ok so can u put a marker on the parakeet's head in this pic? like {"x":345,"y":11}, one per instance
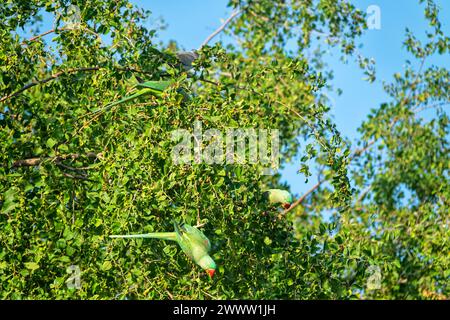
{"x":287,"y":200}
{"x":211,"y":272}
{"x":208,"y":264}
{"x":279,"y":196}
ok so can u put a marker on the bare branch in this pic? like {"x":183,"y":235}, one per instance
{"x":38,"y":36}
{"x":78,"y":177}
{"x":209,"y":81}
{"x":432,"y":106}
{"x":302,"y":198}
{"x":62,"y":29}
{"x":62,"y":165}
{"x":27,"y":162}
{"x":31,"y":162}
{"x":220,"y":29}
{"x":363,"y":194}
{"x":360,"y":151}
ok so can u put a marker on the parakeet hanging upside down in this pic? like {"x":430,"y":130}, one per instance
{"x":149,"y":87}
{"x":191,"y":240}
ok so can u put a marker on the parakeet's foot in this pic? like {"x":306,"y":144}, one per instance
{"x":199,"y":225}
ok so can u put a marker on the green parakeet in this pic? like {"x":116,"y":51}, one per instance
{"x":148,"y":87}
{"x":191,"y":240}
{"x":279,"y":196}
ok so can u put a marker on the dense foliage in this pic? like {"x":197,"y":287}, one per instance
{"x":74,"y":172}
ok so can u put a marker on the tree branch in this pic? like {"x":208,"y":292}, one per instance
{"x":77,"y":177}
{"x":60,"y":73}
{"x":31,"y":162}
{"x":220,"y":29}
{"x":52,"y":77}
{"x":62,"y":165}
{"x":432,"y":106}
{"x":302,"y":198}
{"x":38,"y":36}
{"x":62,"y":29}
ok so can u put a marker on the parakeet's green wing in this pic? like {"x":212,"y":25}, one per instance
{"x":184,"y":242}
{"x":197,"y":236}
{"x":192,"y":241}
{"x":155,"y":85}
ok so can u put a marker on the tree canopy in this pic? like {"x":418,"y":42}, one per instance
{"x":74,"y":171}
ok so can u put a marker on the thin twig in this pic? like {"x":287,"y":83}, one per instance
{"x":209,"y":81}
{"x":65,"y":166}
{"x":134,"y":70}
{"x":60,"y":73}
{"x":432,"y":106}
{"x":200,"y":225}
{"x":363,"y":194}
{"x":209,"y":295}
{"x":77,"y":177}
{"x":265,"y":19}
{"x":62,"y":29}
{"x":358,"y":152}
{"x":31,"y":162}
{"x":52,"y":77}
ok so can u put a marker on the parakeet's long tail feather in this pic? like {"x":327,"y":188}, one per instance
{"x":178,"y":228}
{"x":133,"y":96}
{"x":155,"y":85}
{"x":155,"y":235}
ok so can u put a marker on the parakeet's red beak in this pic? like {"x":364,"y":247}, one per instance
{"x":286,"y":205}
{"x":211,"y":272}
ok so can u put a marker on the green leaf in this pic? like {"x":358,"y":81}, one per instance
{"x":51,"y":142}
{"x":31,"y":265}
{"x":106,"y":265}
{"x":267,"y":241}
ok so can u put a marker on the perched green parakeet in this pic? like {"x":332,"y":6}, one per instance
{"x":191,"y":240}
{"x":279,"y":196}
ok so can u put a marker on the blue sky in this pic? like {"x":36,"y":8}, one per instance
{"x":190,"y":22}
